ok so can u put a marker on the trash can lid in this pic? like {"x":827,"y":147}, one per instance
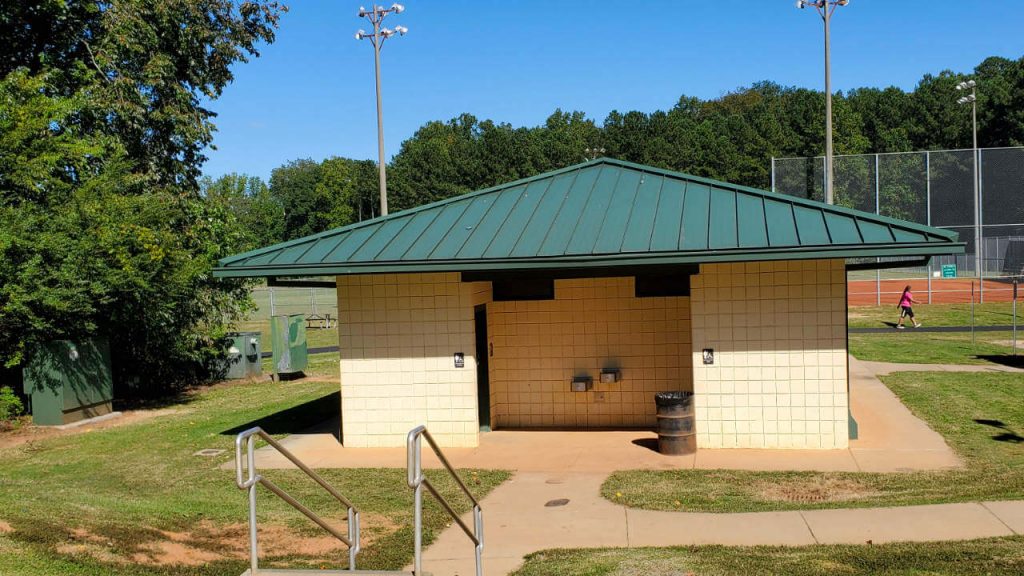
{"x":673,"y":398}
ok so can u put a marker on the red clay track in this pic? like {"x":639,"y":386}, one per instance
{"x":944,"y":291}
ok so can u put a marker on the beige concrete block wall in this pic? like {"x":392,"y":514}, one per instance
{"x":591,"y":324}
{"x":398,"y":334}
{"x":778,"y":330}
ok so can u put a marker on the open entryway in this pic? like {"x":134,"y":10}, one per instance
{"x":483,"y":385}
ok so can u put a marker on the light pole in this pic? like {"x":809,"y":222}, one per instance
{"x":825,"y":9}
{"x":972,"y":99}
{"x":376,"y":16}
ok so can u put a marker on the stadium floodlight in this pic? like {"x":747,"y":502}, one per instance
{"x":826,"y":8}
{"x":376,"y":16}
{"x":972,"y":99}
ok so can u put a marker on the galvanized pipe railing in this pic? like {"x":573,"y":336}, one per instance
{"x":249,"y":478}
{"x":417,"y":481}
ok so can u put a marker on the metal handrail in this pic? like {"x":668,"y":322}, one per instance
{"x":249,"y":482}
{"x":417,"y":480}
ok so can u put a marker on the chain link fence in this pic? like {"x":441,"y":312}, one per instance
{"x":934,"y":188}
{"x":318,"y":305}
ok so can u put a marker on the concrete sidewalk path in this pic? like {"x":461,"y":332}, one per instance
{"x":517,"y":522}
{"x":884,"y":368}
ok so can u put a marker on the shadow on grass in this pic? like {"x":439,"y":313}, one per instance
{"x":1004,"y":359}
{"x":296,"y":418}
{"x":1007,"y":436}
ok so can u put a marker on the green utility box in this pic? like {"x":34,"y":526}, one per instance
{"x":243,"y":356}
{"x":288,"y":342}
{"x":69,"y":381}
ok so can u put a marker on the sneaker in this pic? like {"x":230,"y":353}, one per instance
{"x":900,"y":327}
{"x":917,"y":324}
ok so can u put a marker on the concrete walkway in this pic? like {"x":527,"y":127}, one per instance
{"x":517,"y":522}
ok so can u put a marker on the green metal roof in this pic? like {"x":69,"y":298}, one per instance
{"x":603,"y":213}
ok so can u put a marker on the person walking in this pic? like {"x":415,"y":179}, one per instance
{"x":906,"y":308}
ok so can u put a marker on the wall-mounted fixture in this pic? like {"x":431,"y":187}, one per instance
{"x":610,"y":376}
{"x":581,"y":383}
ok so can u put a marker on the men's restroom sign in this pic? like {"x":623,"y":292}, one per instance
{"x":460,"y":360}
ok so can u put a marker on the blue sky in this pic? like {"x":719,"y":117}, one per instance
{"x":311,"y":93}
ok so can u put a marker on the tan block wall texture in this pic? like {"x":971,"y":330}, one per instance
{"x":779,"y":379}
{"x":398,"y":334}
{"x":538,"y":346}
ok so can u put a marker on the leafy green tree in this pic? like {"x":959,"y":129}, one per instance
{"x":103,"y":230}
{"x":260,"y":216}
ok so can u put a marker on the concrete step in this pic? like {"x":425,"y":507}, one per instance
{"x":279,"y":572}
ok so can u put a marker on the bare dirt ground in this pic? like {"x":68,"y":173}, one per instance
{"x":208,"y":542}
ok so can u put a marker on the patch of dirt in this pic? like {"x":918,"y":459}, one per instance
{"x":208,"y":542}
{"x":822,"y":489}
{"x":31,"y":433}
{"x":5,"y":528}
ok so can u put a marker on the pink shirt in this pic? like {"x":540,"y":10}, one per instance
{"x":906,"y":298}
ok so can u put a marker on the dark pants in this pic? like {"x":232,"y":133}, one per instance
{"x":907,"y":311}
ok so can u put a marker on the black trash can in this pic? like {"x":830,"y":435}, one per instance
{"x":676,"y":433}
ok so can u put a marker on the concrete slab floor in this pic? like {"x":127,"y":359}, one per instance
{"x":891,"y":440}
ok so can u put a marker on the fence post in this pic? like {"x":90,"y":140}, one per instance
{"x":928,"y":210}
{"x":773,"y":173}
{"x":272,"y":311}
{"x":981,"y":231}
{"x":878,"y":273}
{"x":972,"y":314}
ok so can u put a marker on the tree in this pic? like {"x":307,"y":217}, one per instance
{"x":260,"y":216}
{"x":103,"y":230}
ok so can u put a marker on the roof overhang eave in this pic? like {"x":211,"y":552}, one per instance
{"x":593,"y":261}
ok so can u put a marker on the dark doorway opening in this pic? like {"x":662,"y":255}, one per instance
{"x":483,"y":384}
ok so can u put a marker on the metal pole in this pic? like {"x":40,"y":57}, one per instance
{"x":972,"y":313}
{"x":981,"y":229}
{"x":377,"y":41}
{"x":418,"y":514}
{"x":253,"y":554}
{"x":773,"y":173}
{"x":977,"y":207}
{"x":272,"y":311}
{"x":826,"y":14}
{"x":878,"y":273}
{"x":928,"y":210}
{"x":1015,"y":282}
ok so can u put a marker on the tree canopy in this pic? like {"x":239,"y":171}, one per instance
{"x":103,"y":228}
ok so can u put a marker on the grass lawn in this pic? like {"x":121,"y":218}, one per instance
{"x":994,"y":557}
{"x":908,"y":346}
{"x":981,"y":415}
{"x":133,"y":500}
{"x":988,"y":314}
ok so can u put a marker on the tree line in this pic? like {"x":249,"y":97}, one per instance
{"x":730,"y":138}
